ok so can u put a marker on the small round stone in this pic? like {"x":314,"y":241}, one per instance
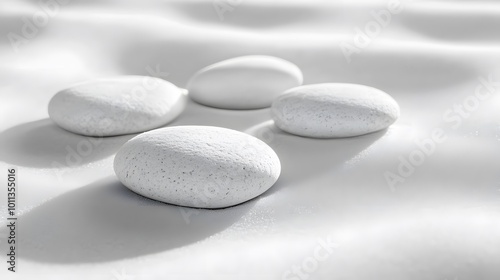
{"x":247,"y":82}
{"x":117,"y":105}
{"x":334,"y":110}
{"x":197,"y":166}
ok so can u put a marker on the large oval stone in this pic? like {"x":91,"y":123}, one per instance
{"x":334,"y":110}
{"x":247,"y":82}
{"x":117,"y":105}
{"x":197,"y":166}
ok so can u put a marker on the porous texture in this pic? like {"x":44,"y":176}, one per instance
{"x":334,"y":110}
{"x":118,"y":105}
{"x":247,"y":82}
{"x":197,"y":166}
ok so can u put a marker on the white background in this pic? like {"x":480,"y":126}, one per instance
{"x":442,"y":223}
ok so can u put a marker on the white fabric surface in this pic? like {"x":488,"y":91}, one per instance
{"x":442,"y":223}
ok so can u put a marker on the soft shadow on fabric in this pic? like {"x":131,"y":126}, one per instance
{"x":105,"y":221}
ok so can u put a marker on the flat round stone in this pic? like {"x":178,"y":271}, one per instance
{"x":247,"y":82}
{"x":117,"y":105}
{"x":197,"y":166}
{"x":334,"y":110}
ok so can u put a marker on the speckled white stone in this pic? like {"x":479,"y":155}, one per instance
{"x":197,"y":166}
{"x":334,"y":110}
{"x":247,"y":82}
{"x":117,"y":105}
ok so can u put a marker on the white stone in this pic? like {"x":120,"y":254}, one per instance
{"x":247,"y":82}
{"x":334,"y":110}
{"x":117,"y":105}
{"x":197,"y":166}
